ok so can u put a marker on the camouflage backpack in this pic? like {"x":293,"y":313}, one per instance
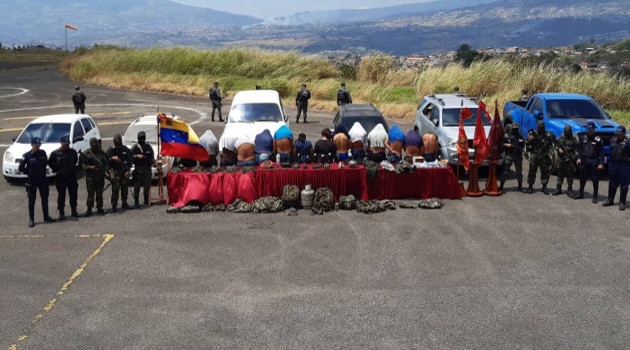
{"x":348,"y":202}
{"x":291,"y":196}
{"x":268,"y":205}
{"x":239,"y":206}
{"x":324,"y":199}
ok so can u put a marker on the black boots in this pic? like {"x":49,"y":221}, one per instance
{"x":31,"y":223}
{"x":530,"y":189}
{"x":75,"y":213}
{"x":544,"y":189}
{"x":501,"y":186}
{"x":570,"y":191}
{"x":88,"y":213}
{"x":62,"y":215}
{"x":622,"y":199}
{"x":520,"y":187}
{"x":611,"y":197}
{"x":558,"y":190}
{"x":125,"y":206}
{"x":47,"y":218}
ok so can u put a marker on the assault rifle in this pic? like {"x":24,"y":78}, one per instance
{"x":568,"y":156}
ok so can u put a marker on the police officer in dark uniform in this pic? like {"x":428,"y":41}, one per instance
{"x":33,"y":164}
{"x":63,"y":161}
{"x":591,"y":159}
{"x":120,"y":164}
{"x":79,"y":100}
{"x":514,"y":145}
{"x":343,"y":96}
{"x":301,"y":101}
{"x":143,"y":159}
{"x":540,"y":144}
{"x":619,"y":168}
{"x":216,"y":100}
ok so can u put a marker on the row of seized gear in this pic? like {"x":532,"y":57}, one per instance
{"x":272,"y":204}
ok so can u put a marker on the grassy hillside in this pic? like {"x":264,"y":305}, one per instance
{"x":396,"y":92}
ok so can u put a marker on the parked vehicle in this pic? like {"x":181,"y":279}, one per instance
{"x":366,"y":114}
{"x":50,"y":129}
{"x":252,"y":112}
{"x":148,"y":124}
{"x":439,"y":114}
{"x":560,"y":109}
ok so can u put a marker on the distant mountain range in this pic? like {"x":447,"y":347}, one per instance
{"x":428,"y":27}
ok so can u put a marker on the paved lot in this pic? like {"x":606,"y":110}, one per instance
{"x":518,"y":271}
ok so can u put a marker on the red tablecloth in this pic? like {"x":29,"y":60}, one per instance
{"x":185,"y":186}
{"x":345,"y":181}
{"x":423,"y":183}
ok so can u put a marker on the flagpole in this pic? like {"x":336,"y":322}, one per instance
{"x":66,"y":30}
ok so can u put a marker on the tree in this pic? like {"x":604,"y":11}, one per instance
{"x":466,"y":55}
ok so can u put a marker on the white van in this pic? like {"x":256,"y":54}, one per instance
{"x":50,"y":129}
{"x":252,"y":112}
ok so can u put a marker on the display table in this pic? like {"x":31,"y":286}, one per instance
{"x":186,"y":186}
{"x":424,"y":183}
{"x":344,"y":181}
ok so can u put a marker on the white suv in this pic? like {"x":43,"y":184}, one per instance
{"x":50,"y":129}
{"x":252,"y":112}
{"x":439,"y":114}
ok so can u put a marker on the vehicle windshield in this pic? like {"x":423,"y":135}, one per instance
{"x":573,"y":109}
{"x":450,"y":117}
{"x":131,"y":135}
{"x":255,"y":112}
{"x":48,"y":132}
{"x":368,"y":123}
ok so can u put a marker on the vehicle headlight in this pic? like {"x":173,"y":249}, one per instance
{"x":8,"y":157}
{"x":452,"y":143}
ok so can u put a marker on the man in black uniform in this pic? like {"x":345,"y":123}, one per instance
{"x":143,"y":159}
{"x":514,"y":145}
{"x":79,"y":100}
{"x":343,"y":96}
{"x":120,"y":166}
{"x":619,"y":168}
{"x":215,"y":99}
{"x":301,"y":101}
{"x":591,"y":159}
{"x":63,"y":161}
{"x":33,"y":164}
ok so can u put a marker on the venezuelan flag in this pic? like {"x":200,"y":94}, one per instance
{"x":179,"y":140}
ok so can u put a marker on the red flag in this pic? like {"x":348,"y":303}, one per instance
{"x":482,"y":106}
{"x":479,"y":142}
{"x":70,"y":26}
{"x":462,"y":141}
{"x":495,"y":141}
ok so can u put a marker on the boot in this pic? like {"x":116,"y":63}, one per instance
{"x":530,"y":189}
{"x":579,"y":195}
{"x":297,"y":121}
{"x":125,"y":206}
{"x":622,"y":199}
{"x":570,"y":191}
{"x":520,"y":187}
{"x":88,"y":213}
{"x":611,"y":197}
{"x":31,"y":223}
{"x":501,"y":186}
{"x":113,"y":210}
{"x":47,"y":218}
{"x":136,"y":205}
{"x":100,"y":211}
{"x":595,"y":192}
{"x":544,"y":189}
{"x":75,"y":213}
{"x":558,"y":190}
{"x":62,"y":215}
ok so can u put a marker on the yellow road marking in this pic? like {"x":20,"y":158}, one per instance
{"x":113,"y":123}
{"x":113,"y":113}
{"x":20,"y":118}
{"x":11,"y":129}
{"x":51,"y":304}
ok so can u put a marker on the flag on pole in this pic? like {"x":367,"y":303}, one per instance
{"x":70,"y":26}
{"x":480,"y":142}
{"x":179,"y":140}
{"x":482,"y":106}
{"x":495,"y":141}
{"x":462,"y":140}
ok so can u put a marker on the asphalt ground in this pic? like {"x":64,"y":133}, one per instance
{"x":511,"y":272}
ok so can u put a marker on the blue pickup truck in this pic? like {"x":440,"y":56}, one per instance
{"x":558,"y":110}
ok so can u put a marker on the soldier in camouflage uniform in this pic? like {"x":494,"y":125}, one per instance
{"x":94,"y":162}
{"x":120,"y":167}
{"x":567,"y":148}
{"x":514,"y":144}
{"x":539,"y":144}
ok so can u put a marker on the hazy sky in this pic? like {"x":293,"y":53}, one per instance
{"x":276,"y":8}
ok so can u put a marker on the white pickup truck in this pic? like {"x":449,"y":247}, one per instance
{"x":252,"y":112}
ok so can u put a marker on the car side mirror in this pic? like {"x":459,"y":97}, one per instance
{"x":77,"y":139}
{"x":608,"y":115}
{"x":13,"y":139}
{"x":537,"y":115}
